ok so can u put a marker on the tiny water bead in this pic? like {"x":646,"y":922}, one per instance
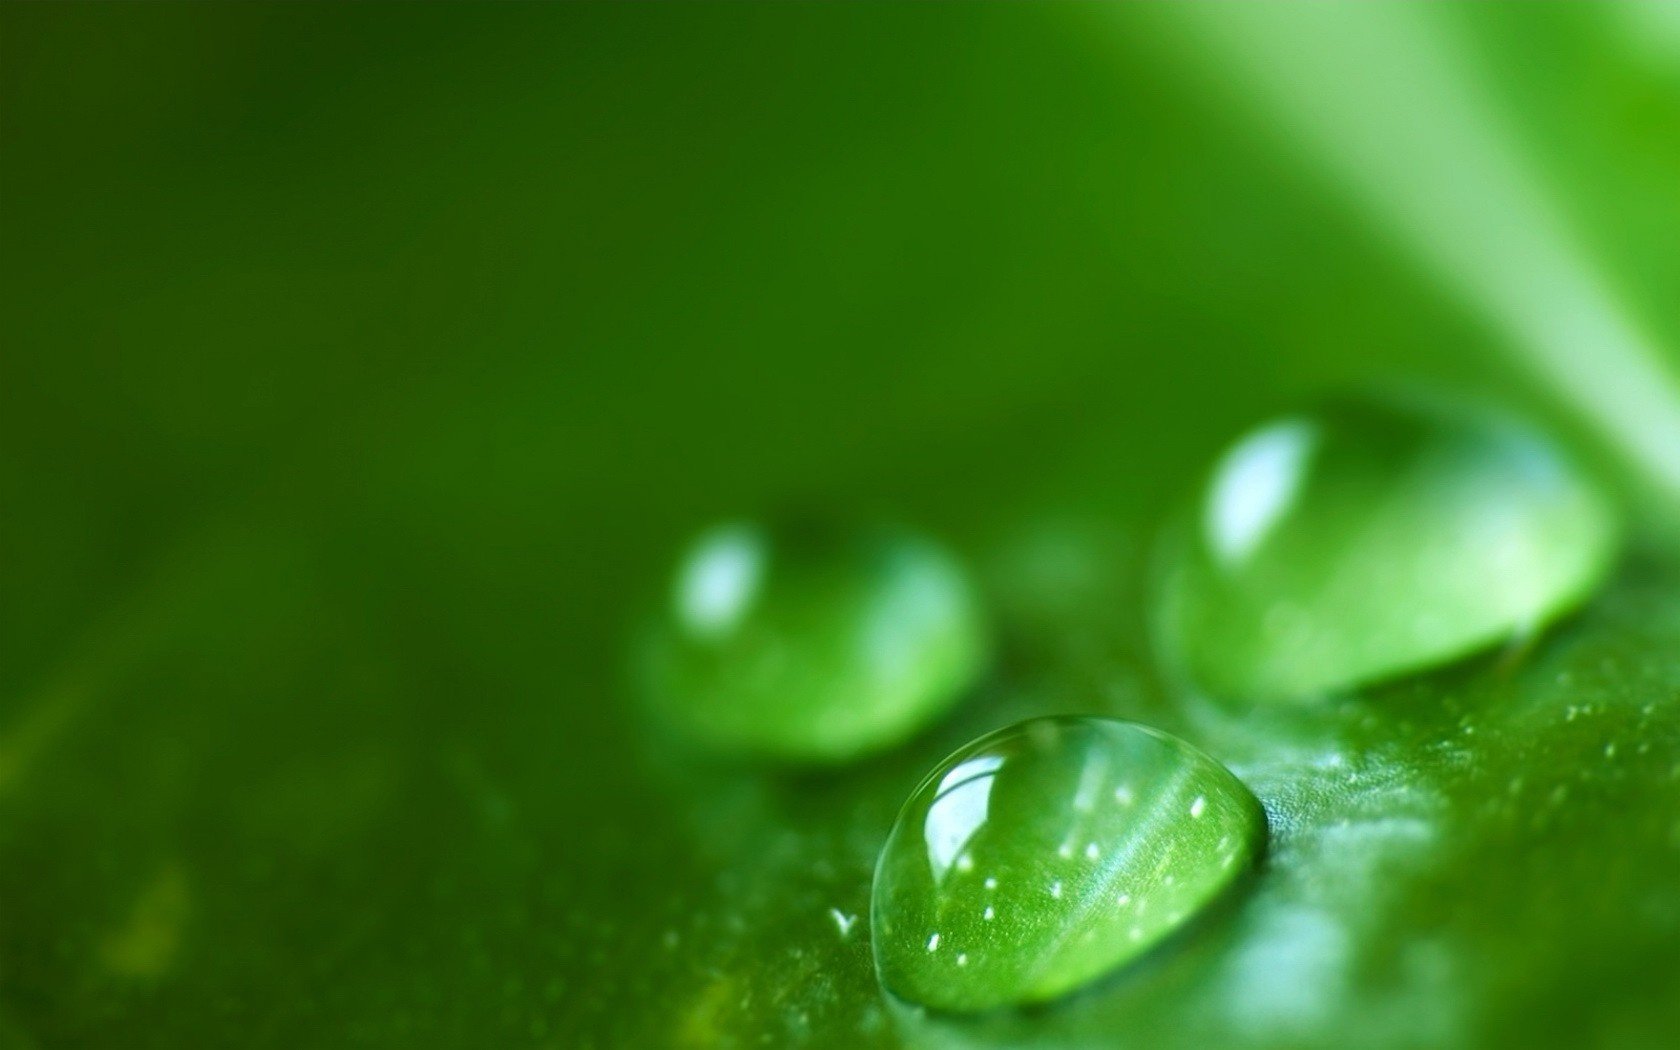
{"x":814,"y":643}
{"x":1046,"y":854}
{"x":1374,"y":538}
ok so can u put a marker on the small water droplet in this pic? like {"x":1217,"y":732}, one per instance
{"x":812,"y":643}
{"x":1371,"y":539}
{"x":1051,"y":923}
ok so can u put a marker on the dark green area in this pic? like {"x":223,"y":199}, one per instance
{"x":363,"y":372}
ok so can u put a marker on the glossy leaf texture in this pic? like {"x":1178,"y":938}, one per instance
{"x":362,"y":374}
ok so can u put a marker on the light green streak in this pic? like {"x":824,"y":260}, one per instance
{"x":1388,"y":103}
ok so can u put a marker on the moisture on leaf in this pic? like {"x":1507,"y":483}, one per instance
{"x":1370,"y":538}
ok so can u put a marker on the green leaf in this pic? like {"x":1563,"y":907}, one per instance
{"x":364,"y":376}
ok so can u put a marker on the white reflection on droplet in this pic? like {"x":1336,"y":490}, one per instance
{"x":1254,"y":485}
{"x":958,"y":811}
{"x":720,"y":579}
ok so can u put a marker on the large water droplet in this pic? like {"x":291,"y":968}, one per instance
{"x":1046,"y":854}
{"x":813,"y":643}
{"x":1370,"y":539}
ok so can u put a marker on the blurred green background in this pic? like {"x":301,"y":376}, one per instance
{"x":364,"y":369}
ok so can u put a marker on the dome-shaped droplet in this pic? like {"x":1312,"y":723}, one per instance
{"x":1044,"y":855}
{"x":813,"y":643}
{"x":1370,"y":539}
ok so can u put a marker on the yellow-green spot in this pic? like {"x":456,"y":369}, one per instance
{"x":144,"y":946}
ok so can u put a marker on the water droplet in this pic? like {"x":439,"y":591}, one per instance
{"x":1371,"y":539}
{"x":1046,"y":923}
{"x":812,"y":643}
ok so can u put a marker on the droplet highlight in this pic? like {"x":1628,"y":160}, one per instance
{"x":1028,"y":920}
{"x":812,"y":643}
{"x":1370,"y":539}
